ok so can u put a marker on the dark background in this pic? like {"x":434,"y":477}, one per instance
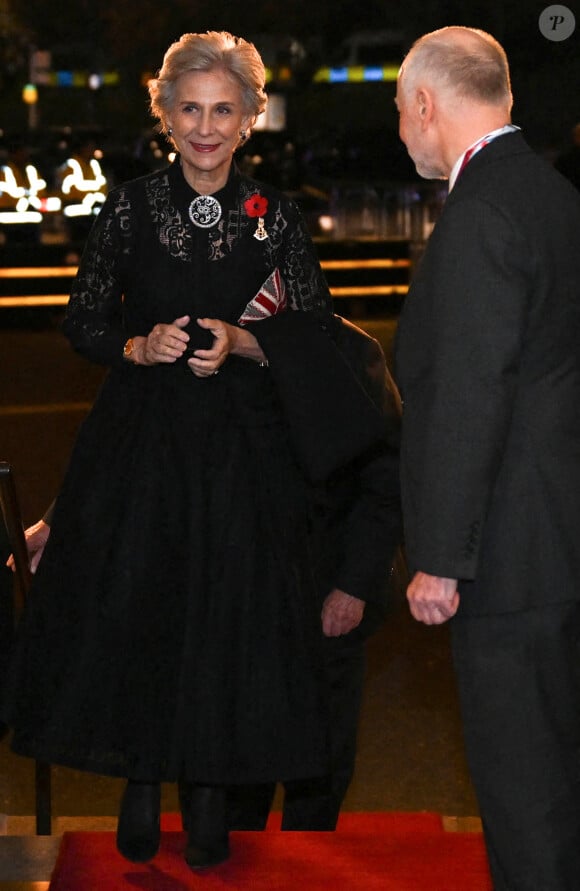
{"x":130,"y":38}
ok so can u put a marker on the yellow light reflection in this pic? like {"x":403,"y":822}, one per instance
{"x":38,"y":271}
{"x":365,"y":264}
{"x":35,"y":300}
{"x":369,"y":291}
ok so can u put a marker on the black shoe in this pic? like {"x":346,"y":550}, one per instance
{"x":197,"y":857}
{"x":204,"y":816}
{"x":138,"y":829}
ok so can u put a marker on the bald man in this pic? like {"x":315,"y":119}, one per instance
{"x":488,"y":364}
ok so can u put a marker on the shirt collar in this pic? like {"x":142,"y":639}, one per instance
{"x":475,"y":147}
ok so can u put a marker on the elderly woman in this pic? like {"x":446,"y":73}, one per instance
{"x":171,"y":633}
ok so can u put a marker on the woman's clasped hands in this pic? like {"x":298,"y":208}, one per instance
{"x":166,"y":344}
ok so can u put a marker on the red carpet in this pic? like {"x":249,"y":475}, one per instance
{"x":368,"y":852}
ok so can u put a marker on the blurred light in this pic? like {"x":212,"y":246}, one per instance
{"x":38,"y":271}
{"x":18,"y":217}
{"x":50,"y":205}
{"x":77,"y":210}
{"x":371,"y":74}
{"x":379,"y":263}
{"x":30,"y":94}
{"x":82,"y":79}
{"x":64,"y":78}
{"x":338,"y":75}
{"x":326,"y":223}
{"x":91,"y":204}
{"x":369,"y":291}
{"x":282,"y":73}
{"x":36,"y":300}
{"x":40,"y":65}
{"x":274,"y":117}
{"x":357,"y":74}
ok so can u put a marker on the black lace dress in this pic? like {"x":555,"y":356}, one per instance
{"x":172,"y":629}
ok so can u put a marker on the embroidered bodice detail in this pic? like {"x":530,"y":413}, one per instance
{"x":174,"y":231}
{"x":146,"y":262}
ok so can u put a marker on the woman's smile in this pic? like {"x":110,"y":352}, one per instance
{"x":203,"y":147}
{"x":206,"y":119}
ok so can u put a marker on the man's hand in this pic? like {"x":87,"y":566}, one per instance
{"x":341,"y":613}
{"x":432,"y":600}
{"x":36,"y":537}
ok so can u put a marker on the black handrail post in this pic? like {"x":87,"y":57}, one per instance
{"x":15,"y":529}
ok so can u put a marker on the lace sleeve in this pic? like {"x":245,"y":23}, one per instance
{"x":305,"y":284}
{"x":94,"y":319}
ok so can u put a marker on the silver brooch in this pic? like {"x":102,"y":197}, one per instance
{"x":205,"y":211}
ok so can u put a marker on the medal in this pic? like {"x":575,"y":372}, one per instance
{"x":260,"y":232}
{"x":256,"y":206}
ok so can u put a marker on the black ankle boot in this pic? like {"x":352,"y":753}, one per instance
{"x":207,"y":834}
{"x":198,"y":857}
{"x":138,"y":829}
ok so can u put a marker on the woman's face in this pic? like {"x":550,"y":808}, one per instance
{"x":206,"y":118}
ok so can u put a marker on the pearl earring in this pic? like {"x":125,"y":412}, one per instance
{"x":170,"y":131}
{"x":243,"y":135}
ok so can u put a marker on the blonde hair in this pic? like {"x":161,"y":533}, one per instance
{"x":468,"y":61}
{"x":205,"y":52}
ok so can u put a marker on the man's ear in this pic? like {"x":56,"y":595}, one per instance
{"x":425,"y":106}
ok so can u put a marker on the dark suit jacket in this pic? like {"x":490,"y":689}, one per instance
{"x":488,"y":364}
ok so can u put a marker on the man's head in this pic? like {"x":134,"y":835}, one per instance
{"x":453,"y":87}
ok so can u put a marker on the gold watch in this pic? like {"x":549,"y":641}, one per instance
{"x":128,"y":350}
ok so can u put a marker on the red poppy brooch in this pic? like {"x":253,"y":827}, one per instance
{"x":257,"y":206}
